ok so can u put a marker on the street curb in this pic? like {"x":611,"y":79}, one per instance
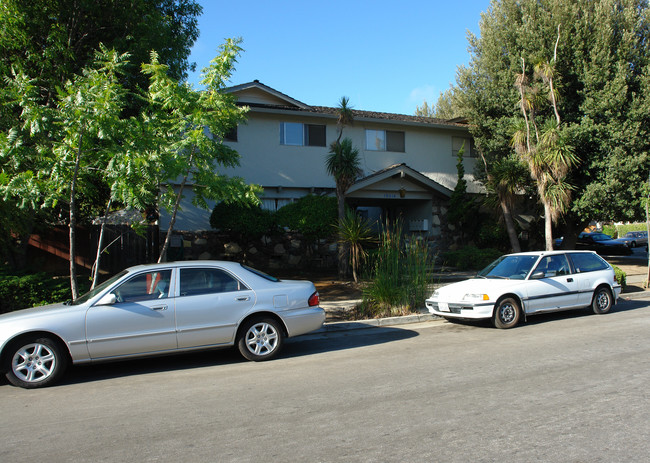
{"x":376,"y":323}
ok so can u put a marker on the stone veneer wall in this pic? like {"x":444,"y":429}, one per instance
{"x":287,"y":251}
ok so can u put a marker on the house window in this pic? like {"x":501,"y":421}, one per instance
{"x":458,"y":142}
{"x":385,"y":140}
{"x":231,"y":135}
{"x":273,"y":204}
{"x":297,"y":134}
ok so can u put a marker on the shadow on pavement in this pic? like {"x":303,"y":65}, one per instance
{"x":294,"y":347}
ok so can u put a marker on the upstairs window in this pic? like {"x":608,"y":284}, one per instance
{"x":458,"y":142}
{"x":297,"y":134}
{"x":385,"y":140}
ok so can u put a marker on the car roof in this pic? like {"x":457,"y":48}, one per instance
{"x":549,"y":253}
{"x":230,"y":265}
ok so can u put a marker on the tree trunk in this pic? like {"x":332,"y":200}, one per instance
{"x":510,"y":227}
{"x":179,"y":196}
{"x":73,"y":224}
{"x":342,"y":248}
{"x":548,"y":225}
{"x":99,"y":246}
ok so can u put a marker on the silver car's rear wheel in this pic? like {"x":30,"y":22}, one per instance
{"x":35,"y":363}
{"x":261,"y":339}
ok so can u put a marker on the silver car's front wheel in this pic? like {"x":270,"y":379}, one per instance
{"x":36,"y":363}
{"x":261,"y":339}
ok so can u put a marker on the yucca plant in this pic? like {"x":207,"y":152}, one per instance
{"x":355,"y":233}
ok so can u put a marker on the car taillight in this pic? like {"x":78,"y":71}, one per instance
{"x":314,"y":299}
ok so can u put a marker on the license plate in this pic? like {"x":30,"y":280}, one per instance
{"x":443,"y":307}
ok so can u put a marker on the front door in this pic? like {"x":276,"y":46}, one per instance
{"x":141,"y":321}
{"x":556,"y":290}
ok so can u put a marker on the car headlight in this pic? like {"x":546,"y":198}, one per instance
{"x":435,"y":294}
{"x":476,"y":297}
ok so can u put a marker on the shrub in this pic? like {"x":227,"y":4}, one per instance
{"x":621,"y":277}
{"x":311,"y":215}
{"x":249,"y":222}
{"x":399,"y":277}
{"x":470,"y":258}
{"x":23,"y":291}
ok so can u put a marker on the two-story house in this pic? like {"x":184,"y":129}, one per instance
{"x":408,"y":162}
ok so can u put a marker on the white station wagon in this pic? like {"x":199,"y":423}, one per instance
{"x":516,"y":285}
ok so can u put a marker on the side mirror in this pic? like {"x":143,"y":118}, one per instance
{"x":537,"y":276}
{"x":107,"y":299}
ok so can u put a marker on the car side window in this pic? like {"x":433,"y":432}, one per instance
{"x":145,"y":287}
{"x":195,"y":281}
{"x":553,"y":266}
{"x":587,"y":262}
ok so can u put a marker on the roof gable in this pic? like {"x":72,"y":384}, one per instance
{"x":256,"y":93}
{"x":396,"y":177}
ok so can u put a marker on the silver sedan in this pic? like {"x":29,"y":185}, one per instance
{"x":158,"y":309}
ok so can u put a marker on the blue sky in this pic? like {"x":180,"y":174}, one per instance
{"x":386,"y":56}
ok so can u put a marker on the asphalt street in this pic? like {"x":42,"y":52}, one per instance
{"x":566,"y":387}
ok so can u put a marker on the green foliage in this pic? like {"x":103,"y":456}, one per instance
{"x":446,"y":107}
{"x":618,"y":231}
{"x":249,"y":222}
{"x":470,"y":258}
{"x":492,"y":234}
{"x":24,"y":291}
{"x":601,"y":72}
{"x":355,"y":233}
{"x":311,"y":215}
{"x":621,"y":277}
{"x":399,"y":276}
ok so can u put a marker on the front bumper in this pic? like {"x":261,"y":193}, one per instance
{"x":463,"y":309}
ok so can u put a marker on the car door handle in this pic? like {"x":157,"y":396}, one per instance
{"x":243,"y":298}
{"x":570,"y":280}
{"x":159,"y":307}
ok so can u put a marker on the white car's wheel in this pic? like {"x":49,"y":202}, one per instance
{"x":35,"y":363}
{"x":506,"y":313}
{"x":602,"y":301}
{"x":260,"y":339}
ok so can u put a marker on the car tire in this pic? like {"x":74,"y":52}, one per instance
{"x":260,"y":339}
{"x":602,"y":301}
{"x":33,"y":363}
{"x":506,"y":313}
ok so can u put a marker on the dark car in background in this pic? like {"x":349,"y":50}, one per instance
{"x":603,"y":244}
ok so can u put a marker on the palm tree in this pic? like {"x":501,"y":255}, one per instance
{"x":550,"y":156}
{"x":355,"y":233}
{"x":506,"y":179}
{"x":342,"y":163}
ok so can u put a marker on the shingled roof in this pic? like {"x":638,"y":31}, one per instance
{"x":298,"y":106}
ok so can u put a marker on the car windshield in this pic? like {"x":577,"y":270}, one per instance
{"x":98,"y":289}
{"x":509,"y":267}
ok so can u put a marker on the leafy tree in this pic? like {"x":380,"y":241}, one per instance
{"x":247,"y":221}
{"x":447,"y":106}
{"x":189,"y":128}
{"x":70,"y":142}
{"x":601,"y":73}
{"x":52,"y":40}
{"x":460,"y":205}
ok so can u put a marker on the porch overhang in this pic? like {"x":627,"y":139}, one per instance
{"x":397,"y":182}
